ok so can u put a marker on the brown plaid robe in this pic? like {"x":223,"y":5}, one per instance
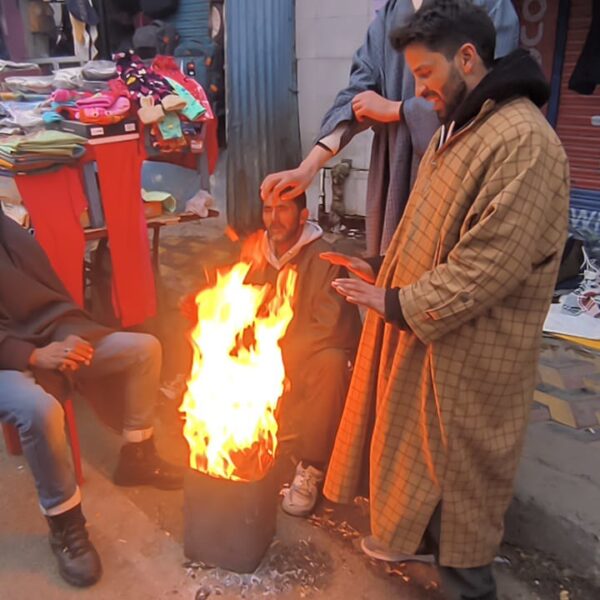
{"x":476,"y":257}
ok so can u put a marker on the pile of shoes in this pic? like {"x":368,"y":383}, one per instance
{"x":586,"y":297}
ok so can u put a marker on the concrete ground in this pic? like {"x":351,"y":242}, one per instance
{"x":552,"y":526}
{"x":138,"y":533}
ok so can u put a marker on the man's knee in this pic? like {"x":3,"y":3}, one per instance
{"x":148,"y":348}
{"x":136,"y":348}
{"x":26,"y":404}
{"x":38,"y":413}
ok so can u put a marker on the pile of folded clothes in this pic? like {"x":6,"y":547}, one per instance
{"x":102,"y":108}
{"x":39,"y":151}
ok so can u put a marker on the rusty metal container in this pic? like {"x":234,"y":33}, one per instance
{"x":229,"y":524}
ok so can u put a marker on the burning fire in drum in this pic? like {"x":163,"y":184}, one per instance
{"x":237,"y":379}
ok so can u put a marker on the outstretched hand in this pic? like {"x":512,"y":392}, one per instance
{"x":361,"y":293}
{"x":361,"y":268}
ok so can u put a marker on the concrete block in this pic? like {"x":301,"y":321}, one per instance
{"x":539,"y":412}
{"x":592,"y":383}
{"x":574,"y":409}
{"x":565,"y":373}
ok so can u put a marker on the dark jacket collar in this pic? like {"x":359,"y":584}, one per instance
{"x":516,"y":75}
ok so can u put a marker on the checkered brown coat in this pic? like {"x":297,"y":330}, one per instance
{"x":476,"y":257}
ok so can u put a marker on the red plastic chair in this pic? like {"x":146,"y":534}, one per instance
{"x":13,"y":443}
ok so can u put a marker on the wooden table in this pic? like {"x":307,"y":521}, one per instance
{"x":155,"y":224}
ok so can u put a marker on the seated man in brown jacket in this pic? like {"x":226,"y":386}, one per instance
{"x":47,"y":343}
{"x":319,"y":343}
{"x":318,"y":346}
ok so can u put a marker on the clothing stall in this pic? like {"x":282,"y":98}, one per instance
{"x":102,"y":154}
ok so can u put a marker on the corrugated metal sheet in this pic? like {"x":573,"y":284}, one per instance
{"x":191,"y":20}
{"x":263,"y":133}
{"x":580,"y":137}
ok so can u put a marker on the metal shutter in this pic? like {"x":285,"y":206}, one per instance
{"x":580,"y":138}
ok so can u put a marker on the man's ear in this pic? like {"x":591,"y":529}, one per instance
{"x":304,"y":214}
{"x":467,"y":57}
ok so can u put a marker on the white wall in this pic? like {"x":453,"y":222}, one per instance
{"x":328,"y":32}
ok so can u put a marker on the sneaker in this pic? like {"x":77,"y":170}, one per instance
{"x":582,"y":298}
{"x":78,"y":560}
{"x":300,"y":499}
{"x":140,"y":464}
{"x":374,"y":549}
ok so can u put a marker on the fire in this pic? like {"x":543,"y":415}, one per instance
{"x":237,"y":375}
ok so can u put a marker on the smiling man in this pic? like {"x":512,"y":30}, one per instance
{"x":450,"y":344}
{"x":380,"y":95}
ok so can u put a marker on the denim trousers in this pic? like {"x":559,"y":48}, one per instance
{"x":39,"y":417}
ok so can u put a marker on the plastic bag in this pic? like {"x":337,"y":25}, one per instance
{"x":200,"y":204}
{"x":99,"y":70}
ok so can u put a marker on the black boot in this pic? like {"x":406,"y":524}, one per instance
{"x":139,"y":464}
{"x":78,"y":560}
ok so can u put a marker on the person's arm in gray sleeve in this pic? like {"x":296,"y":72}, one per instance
{"x":339,"y":125}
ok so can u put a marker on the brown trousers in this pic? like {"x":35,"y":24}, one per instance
{"x":310,"y":412}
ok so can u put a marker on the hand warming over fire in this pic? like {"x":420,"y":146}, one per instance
{"x":361,"y":268}
{"x":361,"y":293}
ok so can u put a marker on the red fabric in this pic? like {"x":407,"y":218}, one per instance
{"x":55,"y":202}
{"x":211,"y":144}
{"x":119,"y":172}
{"x":167,"y":67}
{"x":186,"y":158}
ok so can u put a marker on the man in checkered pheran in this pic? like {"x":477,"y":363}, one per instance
{"x":447,"y":360}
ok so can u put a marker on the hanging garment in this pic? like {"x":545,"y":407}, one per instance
{"x":55,"y":202}
{"x":586,"y":75}
{"x":119,"y":173}
{"x":167,"y":67}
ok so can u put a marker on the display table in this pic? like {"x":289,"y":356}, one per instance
{"x":155,"y":224}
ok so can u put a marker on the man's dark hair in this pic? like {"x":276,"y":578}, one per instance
{"x":300,"y":201}
{"x":445,"y":25}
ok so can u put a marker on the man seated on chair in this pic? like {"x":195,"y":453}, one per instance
{"x":320,"y":342}
{"x":48,"y":343}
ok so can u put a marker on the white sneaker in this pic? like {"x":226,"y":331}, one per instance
{"x":300,"y":499}
{"x":584,"y":298}
{"x":374,"y":549}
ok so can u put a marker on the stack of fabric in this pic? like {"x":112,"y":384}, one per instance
{"x":39,"y":151}
{"x":102,"y":108}
{"x":173,"y":106}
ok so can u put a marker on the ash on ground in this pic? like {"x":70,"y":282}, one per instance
{"x":299,"y":567}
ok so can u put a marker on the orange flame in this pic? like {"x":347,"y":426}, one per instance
{"x":238,"y":374}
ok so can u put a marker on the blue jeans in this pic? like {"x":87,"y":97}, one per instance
{"x":39,"y":416}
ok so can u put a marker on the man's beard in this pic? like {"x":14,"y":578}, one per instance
{"x":455,"y":91}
